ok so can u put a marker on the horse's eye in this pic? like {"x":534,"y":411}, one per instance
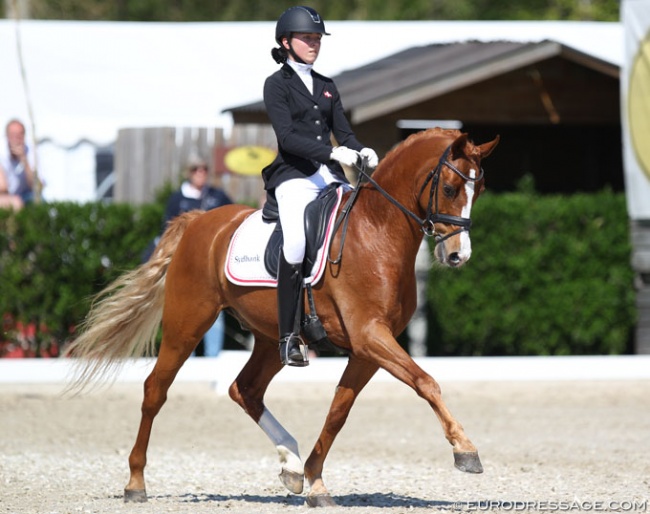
{"x":449,"y":190}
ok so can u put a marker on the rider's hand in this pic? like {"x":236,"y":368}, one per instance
{"x":370,"y":156}
{"x":344,"y":155}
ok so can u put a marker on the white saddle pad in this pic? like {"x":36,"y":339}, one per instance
{"x":245,"y":258}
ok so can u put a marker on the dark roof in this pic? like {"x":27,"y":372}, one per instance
{"x":424,"y":72}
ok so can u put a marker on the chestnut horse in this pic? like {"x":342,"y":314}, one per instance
{"x":425,"y":185}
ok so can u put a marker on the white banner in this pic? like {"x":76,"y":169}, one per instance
{"x":635,"y":106}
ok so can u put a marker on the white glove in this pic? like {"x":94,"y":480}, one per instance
{"x":370,"y":156}
{"x":344,"y":155}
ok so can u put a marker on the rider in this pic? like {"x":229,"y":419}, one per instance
{"x":305,"y":110}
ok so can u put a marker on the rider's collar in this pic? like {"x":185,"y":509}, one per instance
{"x":299,"y":67}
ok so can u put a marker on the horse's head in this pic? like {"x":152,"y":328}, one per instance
{"x":455,"y":184}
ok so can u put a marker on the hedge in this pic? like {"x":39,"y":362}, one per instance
{"x":54,"y":257}
{"x":549,"y":275}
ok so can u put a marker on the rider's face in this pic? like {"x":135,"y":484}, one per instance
{"x":305,"y":45}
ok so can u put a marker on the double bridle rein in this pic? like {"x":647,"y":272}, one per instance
{"x":431,"y":216}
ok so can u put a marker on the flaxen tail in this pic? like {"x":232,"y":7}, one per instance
{"x":124,"y":318}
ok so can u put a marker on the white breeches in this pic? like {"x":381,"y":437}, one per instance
{"x":293,"y":196}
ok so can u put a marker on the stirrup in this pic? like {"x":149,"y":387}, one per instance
{"x":293,"y":351}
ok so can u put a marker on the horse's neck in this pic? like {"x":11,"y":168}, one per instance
{"x":401,"y":174}
{"x":392,"y":233}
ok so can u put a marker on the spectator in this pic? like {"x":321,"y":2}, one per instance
{"x":197,"y":193}
{"x":418,"y":326}
{"x":16,"y":168}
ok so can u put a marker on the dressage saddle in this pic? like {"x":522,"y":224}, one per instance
{"x":317,"y":215}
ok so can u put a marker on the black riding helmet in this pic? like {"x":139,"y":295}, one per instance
{"x":299,"y":19}
{"x":295,"y":19}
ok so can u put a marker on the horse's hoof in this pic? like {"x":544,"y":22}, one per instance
{"x":292,"y":480}
{"x":320,"y":500}
{"x":135,"y":496}
{"x":468,"y":462}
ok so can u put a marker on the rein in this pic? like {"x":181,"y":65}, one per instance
{"x":431,"y":218}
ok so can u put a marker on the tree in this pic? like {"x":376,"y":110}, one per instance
{"x":260,"y":10}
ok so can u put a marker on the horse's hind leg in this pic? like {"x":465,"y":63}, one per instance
{"x":248,"y":391}
{"x":182,"y":330}
{"x":355,"y":377}
{"x":156,"y":386}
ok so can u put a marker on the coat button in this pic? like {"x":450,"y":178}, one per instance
{"x":317,"y":122}
{"x":319,"y":138}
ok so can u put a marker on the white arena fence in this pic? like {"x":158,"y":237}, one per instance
{"x":219,"y":372}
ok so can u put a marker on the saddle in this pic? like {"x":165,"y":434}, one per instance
{"x":317,"y":216}
{"x":254,"y":250}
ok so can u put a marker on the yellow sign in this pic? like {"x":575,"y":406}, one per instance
{"x":639,"y":105}
{"x":249,"y":160}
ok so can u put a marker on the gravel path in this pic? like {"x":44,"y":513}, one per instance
{"x":545,"y":446}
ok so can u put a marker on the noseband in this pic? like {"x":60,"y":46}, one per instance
{"x":433,"y":216}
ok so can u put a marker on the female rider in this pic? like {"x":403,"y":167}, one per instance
{"x":305,"y":110}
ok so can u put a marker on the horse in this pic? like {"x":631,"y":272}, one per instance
{"x":426,"y":185}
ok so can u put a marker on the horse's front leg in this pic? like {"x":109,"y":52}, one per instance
{"x":248,"y":392}
{"x":355,"y":377}
{"x":383,"y":349}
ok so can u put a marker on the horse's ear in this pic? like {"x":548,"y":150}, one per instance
{"x":486,"y":148}
{"x":458,"y":146}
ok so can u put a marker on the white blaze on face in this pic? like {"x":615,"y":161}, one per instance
{"x":465,"y":242}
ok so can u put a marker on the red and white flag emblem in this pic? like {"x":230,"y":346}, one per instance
{"x":327,"y":94}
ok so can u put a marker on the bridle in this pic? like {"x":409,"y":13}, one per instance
{"x":428,"y":224}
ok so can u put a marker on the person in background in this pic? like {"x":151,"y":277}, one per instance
{"x":16,"y":168}
{"x":305,"y":110}
{"x":196,"y":192}
{"x":417,"y":329}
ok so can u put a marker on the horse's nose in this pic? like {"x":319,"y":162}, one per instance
{"x":454,"y":259}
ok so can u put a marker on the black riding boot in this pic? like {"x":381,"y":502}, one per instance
{"x":289,"y":312}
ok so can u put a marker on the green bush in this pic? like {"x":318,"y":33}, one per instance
{"x":549,"y":275}
{"x":53,"y":257}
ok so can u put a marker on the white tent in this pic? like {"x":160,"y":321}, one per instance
{"x":87,"y":80}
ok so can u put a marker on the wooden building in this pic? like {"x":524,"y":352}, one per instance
{"x":556,"y":109}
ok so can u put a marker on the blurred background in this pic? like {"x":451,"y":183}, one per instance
{"x":116,"y":97}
